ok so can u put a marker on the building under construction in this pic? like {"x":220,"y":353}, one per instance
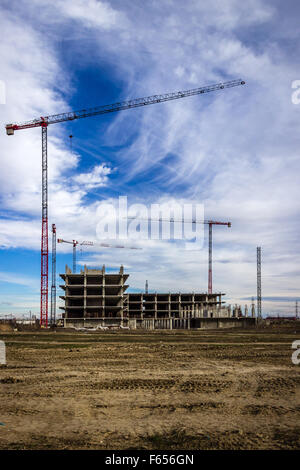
{"x":98,"y":298}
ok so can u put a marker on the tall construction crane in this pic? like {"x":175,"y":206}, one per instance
{"x":258,"y":269}
{"x":210,"y":224}
{"x":88,"y":243}
{"x":53,"y":285}
{"x":44,"y":122}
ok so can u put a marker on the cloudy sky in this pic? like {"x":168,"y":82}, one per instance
{"x":235,"y":151}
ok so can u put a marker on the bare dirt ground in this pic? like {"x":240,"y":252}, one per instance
{"x":150,"y":390}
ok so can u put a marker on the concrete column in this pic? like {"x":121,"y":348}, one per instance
{"x":193,"y":305}
{"x":103,"y":291}
{"x":66,"y":295}
{"x":84,"y":292}
{"x":141,"y":306}
{"x":122,"y":299}
{"x":179,"y":303}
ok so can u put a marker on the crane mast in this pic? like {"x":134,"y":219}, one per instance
{"x":258,"y":266}
{"x":44,"y":240}
{"x":44,"y":121}
{"x":53,"y":285}
{"x":210,"y":226}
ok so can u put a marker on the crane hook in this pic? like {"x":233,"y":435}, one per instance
{"x":71,"y":137}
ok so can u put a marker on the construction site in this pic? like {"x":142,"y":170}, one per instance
{"x":94,"y":298}
{"x":103,"y":363}
{"x":99,"y":299}
{"x":204,"y":374}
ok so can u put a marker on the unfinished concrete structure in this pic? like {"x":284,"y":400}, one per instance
{"x":94,"y":294}
{"x":99,"y":298}
{"x":181,"y":305}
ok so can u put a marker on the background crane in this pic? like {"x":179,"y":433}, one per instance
{"x":210,"y":224}
{"x":258,"y":268}
{"x":53,"y":285}
{"x":44,"y":121}
{"x":88,"y":243}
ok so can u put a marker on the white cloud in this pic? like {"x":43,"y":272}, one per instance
{"x":30,"y":70}
{"x":14,"y":278}
{"x":90,"y":13}
{"x":95,"y":178}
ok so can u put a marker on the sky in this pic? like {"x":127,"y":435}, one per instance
{"x":235,"y":151}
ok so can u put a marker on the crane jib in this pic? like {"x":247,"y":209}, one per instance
{"x":120,"y":106}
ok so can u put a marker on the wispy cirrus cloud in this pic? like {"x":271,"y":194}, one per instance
{"x":15,"y":278}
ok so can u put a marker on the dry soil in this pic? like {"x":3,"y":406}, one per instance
{"x":225,"y":389}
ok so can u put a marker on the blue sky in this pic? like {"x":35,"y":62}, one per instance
{"x":235,"y":151}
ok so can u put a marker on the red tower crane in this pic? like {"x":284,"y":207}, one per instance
{"x":88,"y":243}
{"x":44,"y":122}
